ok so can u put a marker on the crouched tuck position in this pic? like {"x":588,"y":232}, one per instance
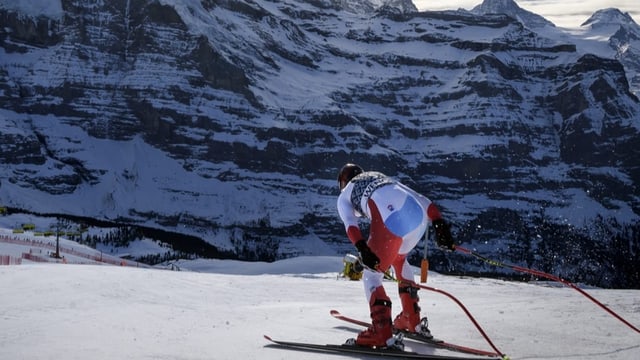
{"x":398,"y":217}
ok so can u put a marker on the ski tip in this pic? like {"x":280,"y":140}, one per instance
{"x":268,"y":337}
{"x":334,"y":312}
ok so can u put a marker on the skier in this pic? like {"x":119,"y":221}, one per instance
{"x":398,"y":218}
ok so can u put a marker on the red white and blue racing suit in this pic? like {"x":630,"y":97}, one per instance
{"x":398,"y":217}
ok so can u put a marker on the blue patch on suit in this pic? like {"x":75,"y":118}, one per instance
{"x":406,"y":219}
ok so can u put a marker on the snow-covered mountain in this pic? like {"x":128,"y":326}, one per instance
{"x":369,"y":6}
{"x":228,"y":120}
{"x":623,"y":35}
{"x":610,"y":17}
{"x":511,"y":8}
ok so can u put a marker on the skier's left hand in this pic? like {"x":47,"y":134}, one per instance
{"x":443,"y":235}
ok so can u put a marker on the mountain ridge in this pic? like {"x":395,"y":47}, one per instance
{"x":511,"y":8}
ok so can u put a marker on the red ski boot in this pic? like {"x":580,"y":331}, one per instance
{"x":380,"y":334}
{"x":409,"y":319}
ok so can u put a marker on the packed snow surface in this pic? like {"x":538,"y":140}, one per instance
{"x":217,"y":309}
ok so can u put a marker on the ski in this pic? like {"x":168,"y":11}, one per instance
{"x":346,"y":349}
{"x":429,"y":341}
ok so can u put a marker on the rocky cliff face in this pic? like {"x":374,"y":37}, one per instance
{"x":228,"y":120}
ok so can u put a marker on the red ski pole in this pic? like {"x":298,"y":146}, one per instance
{"x":466,"y":311}
{"x":464,"y":308}
{"x":548,"y":276}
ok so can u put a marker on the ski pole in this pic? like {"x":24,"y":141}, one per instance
{"x":424,"y":265}
{"x":466,"y":311}
{"x":548,"y":276}
{"x":464,"y":308}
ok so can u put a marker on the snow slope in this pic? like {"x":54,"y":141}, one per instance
{"x":221,"y":311}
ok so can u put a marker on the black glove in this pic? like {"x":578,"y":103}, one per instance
{"x":443,"y":235}
{"x":369,"y":259}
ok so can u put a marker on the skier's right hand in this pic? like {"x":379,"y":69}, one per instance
{"x":369,"y":259}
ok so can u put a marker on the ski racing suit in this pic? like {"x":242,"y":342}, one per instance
{"x":398,"y":217}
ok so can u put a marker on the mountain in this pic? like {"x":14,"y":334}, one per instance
{"x":510,"y":8}
{"x":624,"y":39}
{"x":370,"y":6}
{"x":617,"y":28}
{"x":227,"y":121}
{"x":610,"y":17}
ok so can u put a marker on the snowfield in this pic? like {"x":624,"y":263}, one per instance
{"x":221,"y":310}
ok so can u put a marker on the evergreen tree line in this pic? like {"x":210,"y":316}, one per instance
{"x":250,"y":246}
{"x":119,"y":237}
{"x":168,"y":256}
